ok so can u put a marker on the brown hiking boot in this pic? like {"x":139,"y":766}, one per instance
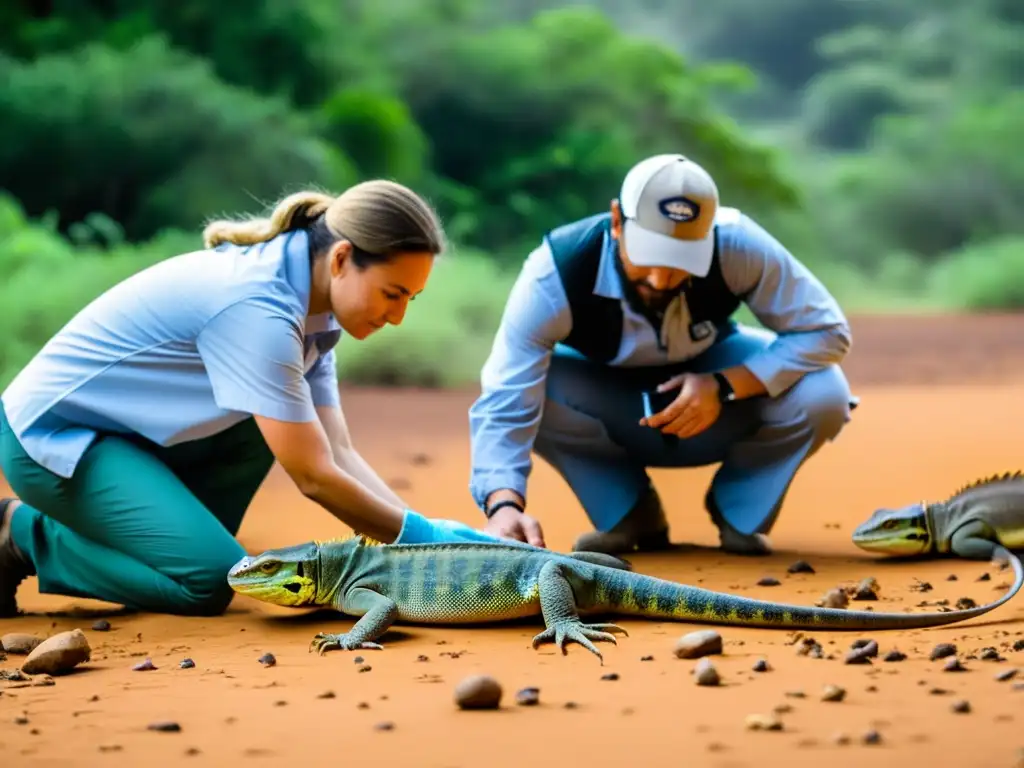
{"x":14,"y":566}
{"x":643,"y":529}
{"x":732,"y":541}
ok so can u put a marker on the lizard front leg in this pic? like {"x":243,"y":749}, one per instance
{"x":558,"y":605}
{"x":376,"y":615}
{"x":974,"y":541}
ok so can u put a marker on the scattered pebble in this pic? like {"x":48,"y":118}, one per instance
{"x":166,"y":726}
{"x":267,"y":660}
{"x":961,"y":706}
{"x":834,"y":598}
{"x":58,"y":654}
{"x":387,"y":725}
{"x":528,"y":697}
{"x":833,"y":693}
{"x":646,"y":658}
{"x":101,"y":625}
{"x":800,"y":566}
{"x":19,"y":643}
{"x":364,"y":668}
{"x":895,"y":655}
{"x":965,"y":604}
{"x":704,"y":673}
{"x":694,"y":645}
{"x":872,"y":737}
{"x":1006,"y":674}
{"x":761,"y":665}
{"x":953,"y":665}
{"x":795,"y":694}
{"x":989,"y":654}
{"x":951,"y":577}
{"x":840,"y":739}
{"x":478,"y":692}
{"x":768,"y":581}
{"x":421,"y":657}
{"x":326,"y":695}
{"x":984,"y":577}
{"x":144,"y":666}
{"x":868,"y":589}
{"x":610,"y":676}
{"x":186,"y":663}
{"x":942,"y":650}
{"x":866,"y":646}
{"x":358,"y":660}
{"x":763,"y":723}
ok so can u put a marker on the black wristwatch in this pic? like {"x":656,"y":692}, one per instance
{"x":726,"y":393}
{"x":489,"y":512}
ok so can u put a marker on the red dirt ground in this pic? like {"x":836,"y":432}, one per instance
{"x":940,"y":405}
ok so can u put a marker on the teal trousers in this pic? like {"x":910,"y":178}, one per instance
{"x":144,"y":526}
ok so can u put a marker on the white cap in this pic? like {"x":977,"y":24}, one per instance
{"x":668,"y":206}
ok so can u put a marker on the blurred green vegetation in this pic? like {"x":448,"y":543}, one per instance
{"x":878,"y":140}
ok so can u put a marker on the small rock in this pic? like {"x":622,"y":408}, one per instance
{"x":800,"y":566}
{"x":942,"y":650}
{"x":705,"y":642}
{"x":267,"y":660}
{"x":186,"y":663}
{"x":834,"y":598}
{"x":868,"y":589}
{"x":58,"y":654}
{"x":646,"y":658}
{"x":857,"y":656}
{"x":763,"y":723}
{"x":984,"y":577}
{"x":528,"y":697}
{"x":101,"y":625}
{"x":705,"y":673}
{"x":989,"y":654}
{"x":761,"y":665}
{"x":144,"y":666}
{"x":1018,"y":645}
{"x":953,"y":665}
{"x":961,"y":706}
{"x":965,"y":604}
{"x":421,"y":657}
{"x":865,"y":646}
{"x":795,"y":694}
{"x":364,"y":668}
{"x":1006,"y":674}
{"x":840,"y":739}
{"x":872,"y":737}
{"x":768,"y":581}
{"x":19,"y":643}
{"x":610,"y":676}
{"x":951,"y":577}
{"x":833,"y":693}
{"x":167,"y":726}
{"x":358,"y":660}
{"x":895,"y":655}
{"x":478,"y":692}
{"x":326,"y":695}
{"x":384,"y":726}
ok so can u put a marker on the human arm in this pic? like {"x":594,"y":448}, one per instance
{"x":505,"y":417}
{"x":787,"y":298}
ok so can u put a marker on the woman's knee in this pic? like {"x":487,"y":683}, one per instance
{"x":205,"y":590}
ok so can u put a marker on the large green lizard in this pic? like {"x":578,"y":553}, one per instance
{"x":973,"y":523}
{"x":470,"y":582}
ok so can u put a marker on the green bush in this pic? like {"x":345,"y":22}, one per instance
{"x":987,"y":276}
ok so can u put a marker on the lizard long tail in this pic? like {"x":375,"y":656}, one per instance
{"x":638,"y":594}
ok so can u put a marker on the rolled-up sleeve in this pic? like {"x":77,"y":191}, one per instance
{"x":504,"y":420}
{"x":252,"y":351}
{"x":787,"y":298}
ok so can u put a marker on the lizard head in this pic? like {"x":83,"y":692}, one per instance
{"x":286,"y":576}
{"x":903,"y":531}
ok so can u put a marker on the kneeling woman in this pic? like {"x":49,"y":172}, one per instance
{"x":137,"y":437}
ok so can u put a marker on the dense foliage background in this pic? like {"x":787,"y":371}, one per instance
{"x":875,"y":138}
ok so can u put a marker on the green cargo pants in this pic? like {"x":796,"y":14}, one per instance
{"x":140,"y":525}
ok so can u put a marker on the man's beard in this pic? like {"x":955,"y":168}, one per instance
{"x":654,"y":300}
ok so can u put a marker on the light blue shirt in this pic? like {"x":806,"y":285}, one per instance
{"x":180,"y":351}
{"x":779,"y":290}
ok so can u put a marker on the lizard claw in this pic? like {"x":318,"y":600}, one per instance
{"x":323,"y":642}
{"x":575,"y":631}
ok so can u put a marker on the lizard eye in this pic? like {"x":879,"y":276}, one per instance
{"x":268,"y":567}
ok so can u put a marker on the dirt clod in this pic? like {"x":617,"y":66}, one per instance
{"x":763,"y":723}
{"x":834,"y":598}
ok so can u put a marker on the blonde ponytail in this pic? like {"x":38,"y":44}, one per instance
{"x":292,"y":212}
{"x":379,"y":217}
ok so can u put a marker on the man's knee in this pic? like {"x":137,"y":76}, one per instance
{"x":824,"y":398}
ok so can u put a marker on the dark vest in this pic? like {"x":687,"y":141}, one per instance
{"x":597,"y":320}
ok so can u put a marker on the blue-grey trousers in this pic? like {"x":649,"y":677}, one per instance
{"x":589,"y":433}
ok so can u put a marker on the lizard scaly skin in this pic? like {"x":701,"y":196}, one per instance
{"x":461,"y":583}
{"x":972,"y":523}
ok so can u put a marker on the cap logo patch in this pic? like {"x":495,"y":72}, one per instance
{"x":679,"y":209}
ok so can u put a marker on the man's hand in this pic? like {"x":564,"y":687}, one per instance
{"x":695,"y":408}
{"x":510,"y":523}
